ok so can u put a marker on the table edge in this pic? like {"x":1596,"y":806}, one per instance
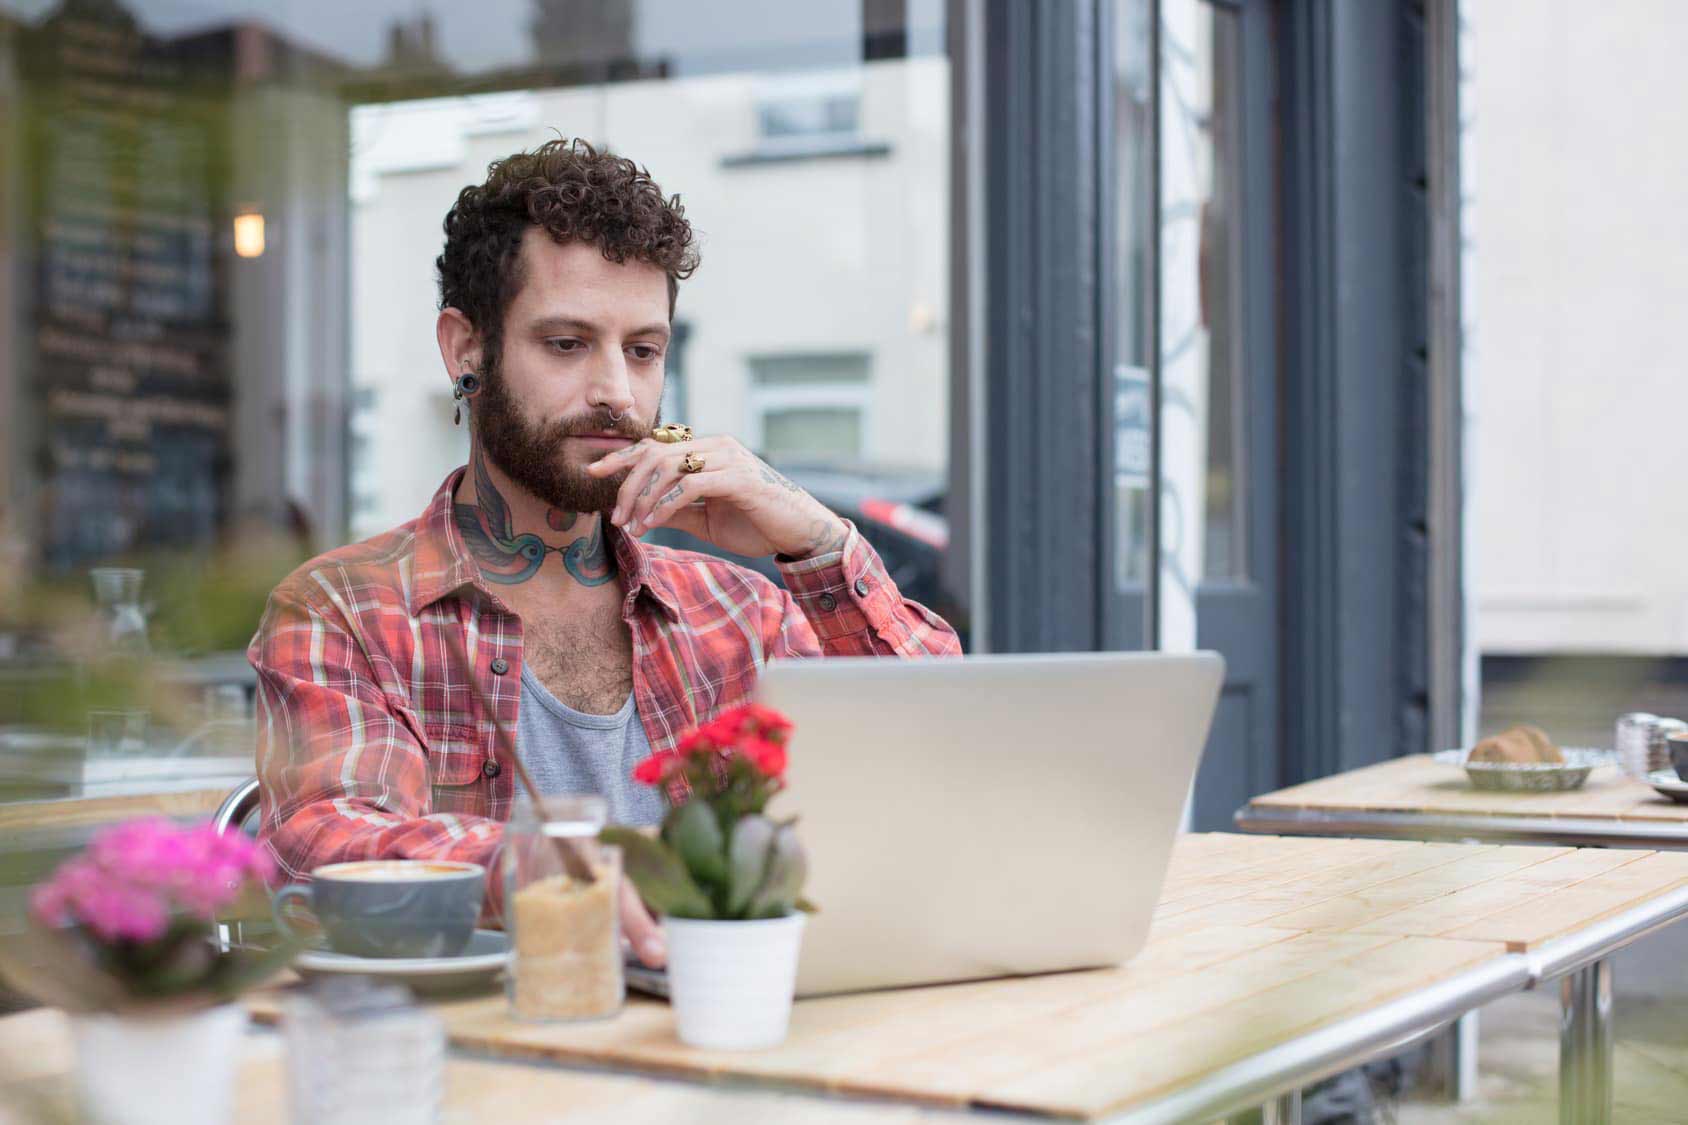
{"x":1335,"y":1047}
{"x":1270,"y":820}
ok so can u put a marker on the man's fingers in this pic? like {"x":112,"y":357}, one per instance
{"x":640,"y":486}
{"x":686,"y":490}
{"x":616,"y":461}
{"x":657,"y":491}
{"x":641,"y":930}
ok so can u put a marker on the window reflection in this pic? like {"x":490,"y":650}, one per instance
{"x":219,"y":221}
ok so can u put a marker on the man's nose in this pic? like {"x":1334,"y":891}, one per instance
{"x":611,"y":387}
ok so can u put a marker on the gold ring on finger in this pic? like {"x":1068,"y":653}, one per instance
{"x":692,"y":464}
{"x":672,"y":433}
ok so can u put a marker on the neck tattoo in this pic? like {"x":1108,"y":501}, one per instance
{"x":506,"y":558}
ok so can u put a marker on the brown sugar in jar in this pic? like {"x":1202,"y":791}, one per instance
{"x":566,"y":952}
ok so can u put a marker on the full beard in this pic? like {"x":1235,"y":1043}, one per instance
{"x":534,"y":455}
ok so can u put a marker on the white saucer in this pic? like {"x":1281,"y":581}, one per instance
{"x":477,"y":966}
{"x":1669,"y":785}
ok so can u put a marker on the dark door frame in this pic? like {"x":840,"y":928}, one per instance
{"x":1034,"y":372}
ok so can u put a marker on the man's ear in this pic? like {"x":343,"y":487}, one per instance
{"x":460,"y":344}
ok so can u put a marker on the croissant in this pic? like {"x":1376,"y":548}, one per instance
{"x":1519,"y":745}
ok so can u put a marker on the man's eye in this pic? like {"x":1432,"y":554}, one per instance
{"x":644,"y":352}
{"x":566,"y":345}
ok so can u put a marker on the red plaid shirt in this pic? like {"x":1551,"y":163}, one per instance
{"x":372,"y":745}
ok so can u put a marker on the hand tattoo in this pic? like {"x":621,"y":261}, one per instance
{"x":774,"y":478}
{"x":672,"y":495}
{"x":824,"y":538}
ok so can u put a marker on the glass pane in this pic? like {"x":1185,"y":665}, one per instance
{"x":220,"y":220}
{"x":826,"y":434}
{"x":797,"y":370}
{"x":1205,"y":487}
{"x":1133,"y":281}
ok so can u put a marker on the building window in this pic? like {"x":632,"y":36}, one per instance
{"x":813,"y":112}
{"x":804,"y":117}
{"x":810,"y":407}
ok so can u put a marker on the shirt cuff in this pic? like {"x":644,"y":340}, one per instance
{"x":842,"y":592}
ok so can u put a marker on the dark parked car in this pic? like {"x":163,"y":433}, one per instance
{"x":900,"y":513}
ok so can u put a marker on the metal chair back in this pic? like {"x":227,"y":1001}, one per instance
{"x":237,"y":808}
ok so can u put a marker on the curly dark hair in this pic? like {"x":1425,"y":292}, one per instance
{"x":572,"y":191}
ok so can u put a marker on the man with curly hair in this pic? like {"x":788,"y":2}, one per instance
{"x":519,"y":626}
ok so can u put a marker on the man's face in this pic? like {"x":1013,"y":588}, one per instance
{"x":585,"y":338}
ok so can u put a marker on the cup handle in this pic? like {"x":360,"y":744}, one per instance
{"x":278,"y":908}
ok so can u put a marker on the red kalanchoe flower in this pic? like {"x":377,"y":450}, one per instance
{"x":767,"y":755}
{"x":766,"y":721}
{"x":654,"y":769}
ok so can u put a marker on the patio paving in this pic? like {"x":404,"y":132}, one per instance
{"x":1519,"y":1052}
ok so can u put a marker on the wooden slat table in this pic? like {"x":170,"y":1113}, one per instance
{"x":83,"y":814}
{"x":1417,"y":798}
{"x":1272,"y":963}
{"x":36,"y":1056}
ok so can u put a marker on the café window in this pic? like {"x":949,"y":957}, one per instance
{"x":810,"y":407}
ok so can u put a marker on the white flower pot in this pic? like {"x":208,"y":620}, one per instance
{"x":731,"y":983}
{"x":138,"y":1069}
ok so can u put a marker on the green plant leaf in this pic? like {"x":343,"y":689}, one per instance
{"x":753,"y":838}
{"x":659,"y":874}
{"x":697,"y":840}
{"x":788,"y":866}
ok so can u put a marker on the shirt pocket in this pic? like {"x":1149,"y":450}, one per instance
{"x":456,"y":760}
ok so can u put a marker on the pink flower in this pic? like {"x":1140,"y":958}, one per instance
{"x":133,"y":877}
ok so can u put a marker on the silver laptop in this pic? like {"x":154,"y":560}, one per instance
{"x":986,"y":817}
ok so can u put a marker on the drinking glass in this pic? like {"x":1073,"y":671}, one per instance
{"x":116,"y":732}
{"x":117,"y":597}
{"x":359,"y":1051}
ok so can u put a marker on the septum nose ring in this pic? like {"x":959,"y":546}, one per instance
{"x":614,"y":417}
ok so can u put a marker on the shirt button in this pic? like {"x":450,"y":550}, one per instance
{"x":499,"y":667}
{"x":828,"y":602}
{"x":861,"y":587}
{"x":491,"y":769}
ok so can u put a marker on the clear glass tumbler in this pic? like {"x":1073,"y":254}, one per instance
{"x":115,"y":732}
{"x":359,"y":1051}
{"x":117,"y":597}
{"x":565,"y":930}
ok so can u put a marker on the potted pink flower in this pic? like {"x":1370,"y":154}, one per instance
{"x":122,"y":937}
{"x":727,"y":879}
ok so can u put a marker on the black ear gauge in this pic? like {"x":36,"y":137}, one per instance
{"x":468,"y":386}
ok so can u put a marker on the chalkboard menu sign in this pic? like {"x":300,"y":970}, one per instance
{"x":129,"y":368}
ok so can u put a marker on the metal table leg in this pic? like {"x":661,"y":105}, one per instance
{"x":1285,"y":1109}
{"x":1454,"y":1059}
{"x":1585,"y":1045}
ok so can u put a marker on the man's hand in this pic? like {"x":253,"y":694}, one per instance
{"x":736,"y":502}
{"x":640,"y":929}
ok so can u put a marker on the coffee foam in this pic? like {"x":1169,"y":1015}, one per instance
{"x":392,"y":871}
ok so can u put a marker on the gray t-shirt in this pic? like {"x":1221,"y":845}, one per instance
{"x":568,"y":751}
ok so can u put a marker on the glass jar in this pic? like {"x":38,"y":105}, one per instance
{"x":565,"y":931}
{"x":361,"y":1051}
